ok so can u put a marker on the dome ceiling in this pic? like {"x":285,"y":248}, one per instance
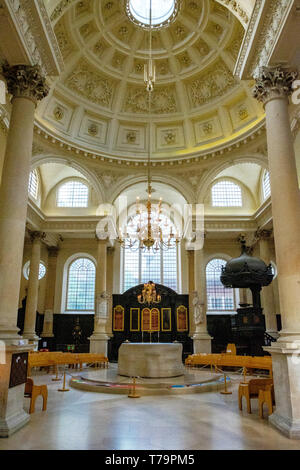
{"x":100,"y":103}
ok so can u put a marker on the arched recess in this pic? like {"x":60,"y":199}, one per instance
{"x":244,"y":188}
{"x":241,"y":9}
{"x":175,"y":184}
{"x":209,"y":177}
{"x":39,"y":160}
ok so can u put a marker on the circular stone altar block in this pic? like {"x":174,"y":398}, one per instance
{"x":150,"y":360}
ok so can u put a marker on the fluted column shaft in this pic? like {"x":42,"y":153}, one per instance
{"x":33,"y":287}
{"x":27,"y":87}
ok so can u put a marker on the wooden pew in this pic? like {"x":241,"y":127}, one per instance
{"x":228,"y":360}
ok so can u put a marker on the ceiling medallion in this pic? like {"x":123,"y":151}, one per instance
{"x":164,"y":12}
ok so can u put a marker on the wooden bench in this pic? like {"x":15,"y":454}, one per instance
{"x":230,"y":360}
{"x":48,"y":359}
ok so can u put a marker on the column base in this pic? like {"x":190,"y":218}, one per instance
{"x":273,"y":333}
{"x":32,"y":338}
{"x":98,"y":343}
{"x":12,"y":424}
{"x":286,"y":374}
{"x":201,"y":343}
{"x":9,"y":334}
{"x":288,"y":427}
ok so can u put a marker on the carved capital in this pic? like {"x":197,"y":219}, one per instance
{"x":274,"y":82}
{"x":261,"y":234}
{"x":36,"y":236}
{"x":25,"y":81}
{"x":53,"y":251}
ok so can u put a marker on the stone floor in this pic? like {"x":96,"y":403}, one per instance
{"x":79,"y":420}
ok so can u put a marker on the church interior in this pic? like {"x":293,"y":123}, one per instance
{"x":149,"y":224}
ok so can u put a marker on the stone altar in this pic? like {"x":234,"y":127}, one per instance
{"x":150,"y":360}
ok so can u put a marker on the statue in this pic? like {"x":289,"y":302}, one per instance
{"x":198,"y":309}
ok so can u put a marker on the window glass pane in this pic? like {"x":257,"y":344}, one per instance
{"x":131,"y":269}
{"x":170,"y":268}
{"x":81,"y":285}
{"x":33,"y":184}
{"x":161,"y":10}
{"x":218,"y":297}
{"x":266,"y":185}
{"x":42,"y":270}
{"x":73,"y":194}
{"x":226,"y":194}
{"x":151,"y":266}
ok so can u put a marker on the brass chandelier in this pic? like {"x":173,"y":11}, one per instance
{"x":149,"y":229}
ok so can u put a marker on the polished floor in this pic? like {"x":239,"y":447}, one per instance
{"x":80,"y":420}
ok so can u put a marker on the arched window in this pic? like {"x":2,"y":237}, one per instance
{"x":226,"y":194}
{"x":81,"y":285}
{"x":26,"y":270}
{"x":73,"y":194}
{"x":159,"y":267}
{"x":219,"y":298}
{"x":33,"y":185}
{"x":266,"y":185}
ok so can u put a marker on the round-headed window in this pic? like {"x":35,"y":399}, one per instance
{"x":26,"y":270}
{"x":154,"y":12}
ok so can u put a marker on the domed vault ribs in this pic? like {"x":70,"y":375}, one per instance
{"x":197,"y":104}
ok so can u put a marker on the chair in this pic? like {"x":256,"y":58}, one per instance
{"x":251,"y":390}
{"x":266,"y":396}
{"x":33,"y":391}
{"x":231,"y":349}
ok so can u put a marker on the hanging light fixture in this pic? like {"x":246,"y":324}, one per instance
{"x":149,"y":229}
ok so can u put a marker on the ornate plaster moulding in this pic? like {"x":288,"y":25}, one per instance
{"x":263,"y":32}
{"x":237,"y":10}
{"x":35,"y":33}
{"x":233,"y":145}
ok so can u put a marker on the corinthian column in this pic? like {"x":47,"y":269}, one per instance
{"x":33,"y":287}
{"x":27,"y":87}
{"x":50,"y":292}
{"x":99,"y":338}
{"x":273,"y":89}
{"x":267,"y":293}
{"x":201,"y":338}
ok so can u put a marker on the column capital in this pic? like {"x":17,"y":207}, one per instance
{"x":263,"y":234}
{"x":25,"y":81}
{"x":53,"y":251}
{"x":274,"y":82}
{"x":36,"y":236}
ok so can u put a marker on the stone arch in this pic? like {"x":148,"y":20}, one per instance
{"x":39,"y":160}
{"x":211,"y":174}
